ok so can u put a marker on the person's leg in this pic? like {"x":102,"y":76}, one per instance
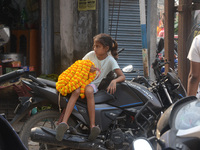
{"x":89,"y":93}
{"x":63,"y":126}
{"x":94,"y":130}
{"x":70,"y":105}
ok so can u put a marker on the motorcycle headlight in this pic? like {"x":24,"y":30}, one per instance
{"x":141,"y":144}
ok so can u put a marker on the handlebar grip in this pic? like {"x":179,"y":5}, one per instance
{"x":37,"y":81}
{"x":11,"y":75}
{"x":120,"y":50}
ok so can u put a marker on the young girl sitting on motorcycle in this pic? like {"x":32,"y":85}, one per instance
{"x":104,"y":63}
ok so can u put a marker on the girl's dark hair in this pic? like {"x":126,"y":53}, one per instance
{"x":106,"y":40}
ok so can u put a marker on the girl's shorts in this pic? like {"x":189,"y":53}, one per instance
{"x":94,"y":87}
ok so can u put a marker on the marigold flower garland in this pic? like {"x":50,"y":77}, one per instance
{"x":77,"y":75}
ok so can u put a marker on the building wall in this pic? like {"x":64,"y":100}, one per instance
{"x":57,"y":37}
{"x":77,"y":29}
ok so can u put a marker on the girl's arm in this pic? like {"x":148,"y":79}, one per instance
{"x":120,"y":78}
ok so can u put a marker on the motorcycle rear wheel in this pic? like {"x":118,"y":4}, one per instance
{"x":46,"y":118}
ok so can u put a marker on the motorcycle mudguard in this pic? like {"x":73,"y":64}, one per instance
{"x":9,"y":139}
{"x":46,"y":135}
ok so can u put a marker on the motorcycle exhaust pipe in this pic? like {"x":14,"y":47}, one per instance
{"x":41,"y":135}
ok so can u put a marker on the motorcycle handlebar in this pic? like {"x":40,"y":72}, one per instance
{"x":37,"y":81}
{"x":157,"y":64}
{"x":120,"y":50}
{"x":14,"y":74}
{"x":11,"y":75}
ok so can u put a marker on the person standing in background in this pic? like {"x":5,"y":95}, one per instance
{"x":194,"y":74}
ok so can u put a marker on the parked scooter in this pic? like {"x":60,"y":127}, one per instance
{"x":177,"y":129}
{"x":179,"y":126}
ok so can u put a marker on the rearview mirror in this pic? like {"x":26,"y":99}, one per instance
{"x":128,"y":68}
{"x":4,"y":35}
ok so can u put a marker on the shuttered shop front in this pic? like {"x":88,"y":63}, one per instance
{"x":123,"y":24}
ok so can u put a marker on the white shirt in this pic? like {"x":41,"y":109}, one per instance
{"x":105,"y":66}
{"x":194,"y":53}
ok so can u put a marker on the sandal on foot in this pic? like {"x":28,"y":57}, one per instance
{"x":94,"y":132}
{"x":60,"y":131}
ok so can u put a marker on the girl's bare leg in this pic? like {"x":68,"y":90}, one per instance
{"x":63,"y":126}
{"x":70,"y":105}
{"x":94,"y":130}
{"x":89,"y":92}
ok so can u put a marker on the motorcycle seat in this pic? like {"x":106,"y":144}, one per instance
{"x":100,"y":97}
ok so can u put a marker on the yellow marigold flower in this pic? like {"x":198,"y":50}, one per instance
{"x":78,"y":75}
{"x":73,"y":88}
{"x":82,"y":96}
{"x":77,"y":86}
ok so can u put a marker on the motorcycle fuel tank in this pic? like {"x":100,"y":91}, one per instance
{"x":131,"y":94}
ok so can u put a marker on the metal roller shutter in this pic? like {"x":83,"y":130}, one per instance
{"x":124,"y":26}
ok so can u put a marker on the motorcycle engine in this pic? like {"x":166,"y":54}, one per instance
{"x":119,"y":140}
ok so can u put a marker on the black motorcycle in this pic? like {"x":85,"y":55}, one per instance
{"x":131,"y":112}
{"x":167,"y":87}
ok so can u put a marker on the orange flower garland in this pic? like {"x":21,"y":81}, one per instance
{"x":77,"y":75}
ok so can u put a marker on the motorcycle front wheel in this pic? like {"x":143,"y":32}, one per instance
{"x":46,"y":118}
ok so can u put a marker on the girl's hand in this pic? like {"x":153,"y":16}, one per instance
{"x":112,"y":87}
{"x":93,"y":69}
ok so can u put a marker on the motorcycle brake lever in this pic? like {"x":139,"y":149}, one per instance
{"x":177,"y":85}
